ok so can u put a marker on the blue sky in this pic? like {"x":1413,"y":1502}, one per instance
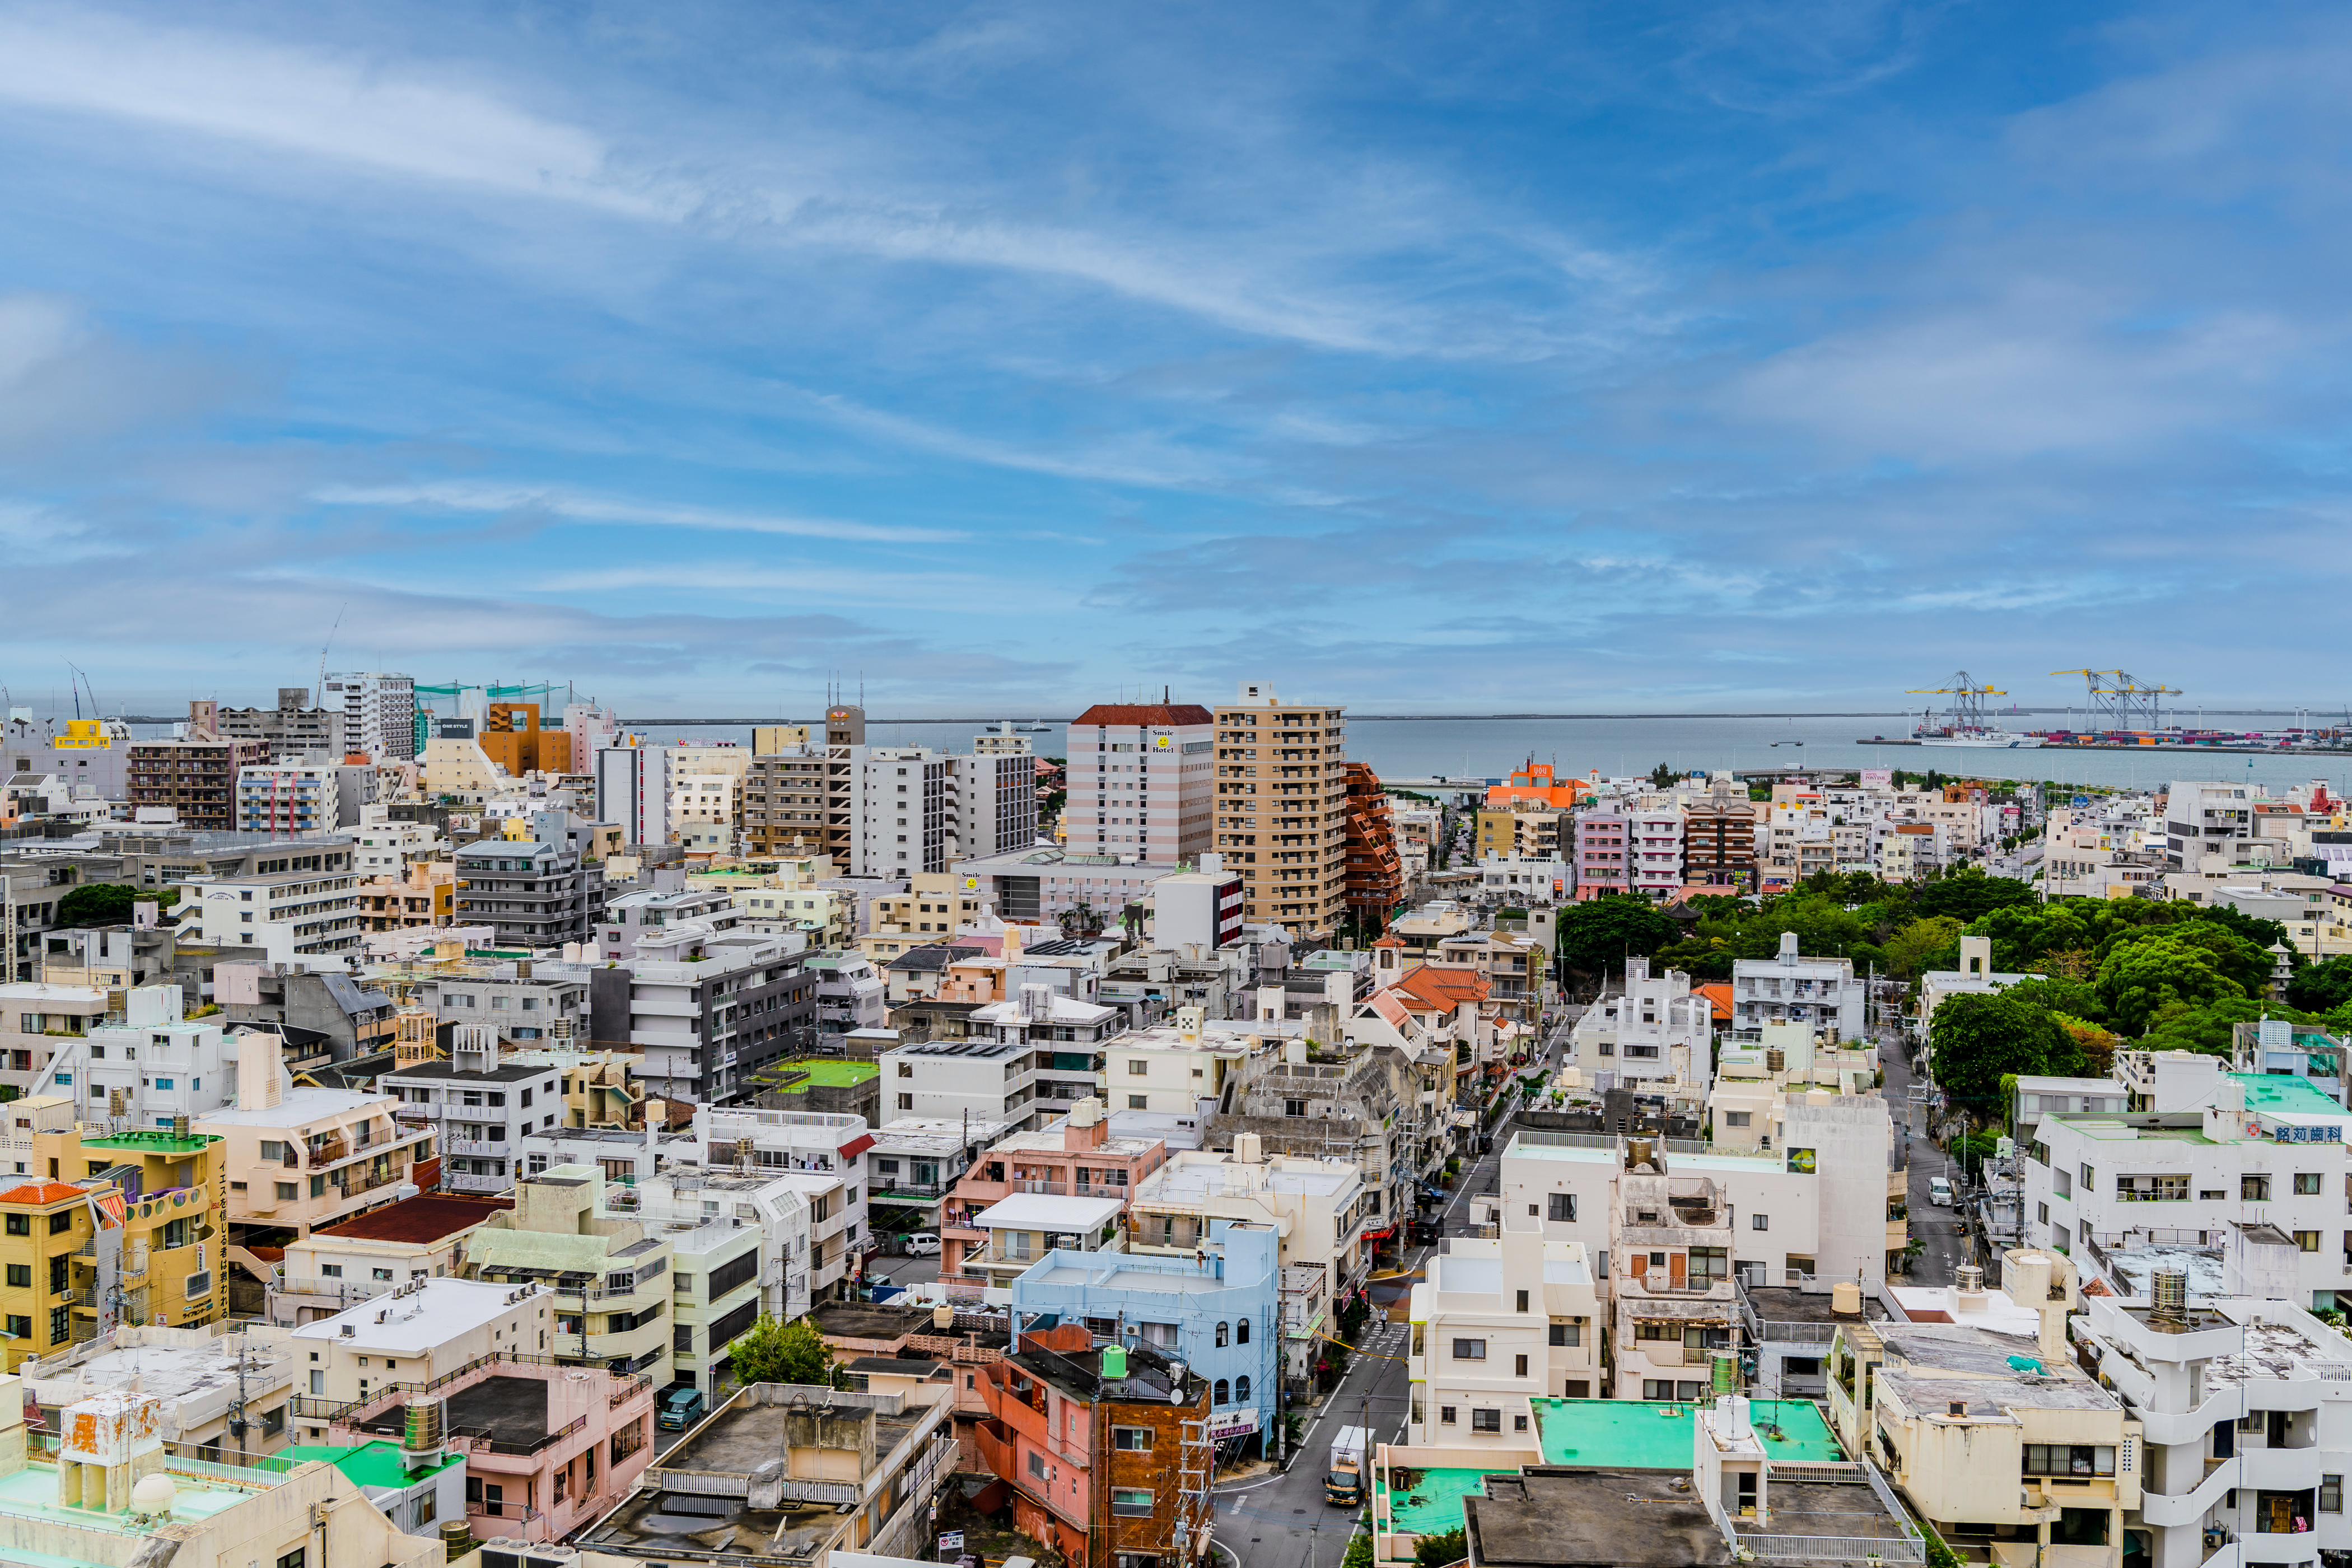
{"x":1416,"y":356}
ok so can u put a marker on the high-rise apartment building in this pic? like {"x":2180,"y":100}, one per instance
{"x":997,"y":797}
{"x":633,"y":785}
{"x":784,"y":796}
{"x":1142,"y":782}
{"x":196,"y":778}
{"x":292,"y":729}
{"x":895,"y":804}
{"x":379,"y":712}
{"x":1282,"y":807}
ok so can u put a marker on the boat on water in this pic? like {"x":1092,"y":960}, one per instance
{"x":1033,"y":727}
{"x":1990,"y":740}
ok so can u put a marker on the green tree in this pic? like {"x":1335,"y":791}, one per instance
{"x":104,"y":904}
{"x":1965,"y":893}
{"x":1360,"y":1551}
{"x":2321,"y":987}
{"x":2207,"y":1026}
{"x":2076,"y":999}
{"x":1978,"y":1037}
{"x":1922,"y":945}
{"x":1663,"y":777}
{"x":773,"y":1351}
{"x":1600,"y":932}
{"x":2194,"y":962}
{"x":1437,"y":1551}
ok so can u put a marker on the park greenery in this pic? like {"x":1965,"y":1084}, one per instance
{"x":2153,"y":975}
{"x":109,"y":903}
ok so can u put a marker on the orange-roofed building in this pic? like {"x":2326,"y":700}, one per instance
{"x":1718,"y":996}
{"x":1535,"y":783}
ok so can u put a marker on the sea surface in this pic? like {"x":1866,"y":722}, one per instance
{"x":1489,"y":748}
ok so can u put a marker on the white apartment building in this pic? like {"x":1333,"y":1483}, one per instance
{"x":632,"y":788}
{"x":997,"y":797}
{"x":1317,"y":1206}
{"x":775,"y":1203}
{"x":384,"y":848}
{"x":523,"y":999}
{"x":1142,"y":778}
{"x":2207,"y":823}
{"x":1528,"y":879}
{"x":301,"y":796}
{"x":1500,"y":1322}
{"x":987,"y":1079}
{"x":1975,"y":977}
{"x":480,"y":1107}
{"x":823,"y":1157}
{"x":656,"y":912}
{"x":1657,"y":1029}
{"x":1044,"y":884}
{"x":1065,"y":1033}
{"x":706,"y":1013}
{"x":379,"y":712}
{"x":154,"y":1065}
{"x":1655,"y":850}
{"x":1791,"y":988}
{"x":294,"y":917}
{"x":38,"y":1020}
{"x":705,"y":797}
{"x":1171,"y":1068}
{"x":2202,"y":1153}
{"x":898,"y":801}
{"x":2245,"y":1437}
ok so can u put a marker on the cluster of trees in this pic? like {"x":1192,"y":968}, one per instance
{"x":2163,"y":975}
{"x":109,"y":903}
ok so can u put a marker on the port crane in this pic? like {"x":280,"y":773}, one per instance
{"x":1967,"y":699}
{"x":2118,"y":701}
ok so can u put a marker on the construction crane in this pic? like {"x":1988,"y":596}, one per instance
{"x":1967,"y":699}
{"x":2118,"y":701}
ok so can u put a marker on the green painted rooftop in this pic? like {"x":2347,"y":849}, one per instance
{"x":1434,"y":1504}
{"x":155,"y":1142}
{"x":1655,"y":1435}
{"x":2286,"y":1092}
{"x":370,"y":1464}
{"x":830,"y":1074}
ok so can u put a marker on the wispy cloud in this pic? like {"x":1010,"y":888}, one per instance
{"x":566,"y":506}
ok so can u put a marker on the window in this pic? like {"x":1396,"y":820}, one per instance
{"x":1562,"y":1206}
{"x":1485,"y":1420}
{"x":2331,"y":1494}
{"x":20,"y":1276}
{"x":1738,"y":1118}
{"x":287,"y":1192}
{"x":1133,"y":1440}
{"x":330,"y":1270}
{"x":1294,"y":1107}
{"x":1139,"y":1102}
{"x":1469,"y":1350}
{"x":1578,"y":1388}
{"x":2255,"y":1189}
{"x":1223,"y":1393}
{"x":57,"y":1274}
{"x":60,"y":1324}
{"x":1761,"y":1221}
{"x":2068,"y":1459}
{"x":1037,"y":1464}
{"x":1221,"y":1336}
{"x":1241,"y":1331}
{"x":1519,"y":1366}
{"x":1241,"y":1390}
{"x":1657,"y":1388}
{"x":1445,"y":1415}
{"x":293,"y":1559}
{"x":2306,"y":1183}
{"x":2090,"y":1179}
{"x":380,"y":1273}
{"x":2306,"y":1240}
{"x":60,"y":1223}
{"x":1138,"y":1068}
{"x":1522,"y":1300}
{"x":20,"y":1225}
{"x":1131,"y":1502}
{"x":1566,"y":1335}
{"x":20,"y":1328}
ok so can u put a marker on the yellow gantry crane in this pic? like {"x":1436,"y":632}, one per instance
{"x":1967,"y":699}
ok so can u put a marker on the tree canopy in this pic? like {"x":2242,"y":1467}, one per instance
{"x":2321,"y":987}
{"x":1977,"y":1038}
{"x":1965,"y":893}
{"x":773,"y":1351}
{"x":1600,"y":932}
{"x":109,"y":903}
{"x":2193,"y":963}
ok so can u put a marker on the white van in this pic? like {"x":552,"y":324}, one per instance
{"x":1940,"y":1192}
{"x":923,"y":1244}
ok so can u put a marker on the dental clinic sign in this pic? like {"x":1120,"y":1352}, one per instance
{"x":2298,"y":1129}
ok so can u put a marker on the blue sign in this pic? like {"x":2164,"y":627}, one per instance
{"x":2330,"y":1133}
{"x":2082,"y":800}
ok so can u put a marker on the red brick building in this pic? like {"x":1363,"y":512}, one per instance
{"x":1375,"y":875}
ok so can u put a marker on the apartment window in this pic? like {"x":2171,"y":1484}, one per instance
{"x":1485,"y":1420}
{"x":1562,"y":1206}
{"x":2255,"y":1189}
{"x":2090,"y":1179}
{"x":1737,"y":1118}
{"x":1469,"y":1350}
{"x":907,"y":1103}
{"x":20,"y":1225}
{"x":20,"y":1328}
{"x":293,"y":1559}
{"x":2042,"y":1213}
{"x":1294,"y":1107}
{"x":20,"y":1276}
{"x":2306,"y":1183}
{"x":1445,"y":1415}
{"x":1519,"y":1366}
{"x":60,"y":1223}
{"x":1139,"y":1069}
{"x":1139,"y":1102}
{"x":1133,"y":1440}
{"x":2306,"y":1240}
{"x":2068,"y":1459}
{"x":1578,"y":1388}
{"x":1131,"y":1502}
{"x":2331,"y":1494}
{"x":287,"y":1192}
{"x":1760,"y":1222}
{"x":60,"y":1324}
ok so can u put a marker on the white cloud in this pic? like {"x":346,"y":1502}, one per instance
{"x":489,"y":497}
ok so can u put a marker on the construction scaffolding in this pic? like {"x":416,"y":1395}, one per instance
{"x":1196,"y":1504}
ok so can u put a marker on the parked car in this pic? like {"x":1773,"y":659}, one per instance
{"x":923,"y":1244}
{"x":681,"y":1408}
{"x":1940,"y":1192}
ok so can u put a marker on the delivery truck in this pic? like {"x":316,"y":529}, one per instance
{"x":1343,"y":1483}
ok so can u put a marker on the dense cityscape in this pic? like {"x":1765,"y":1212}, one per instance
{"x":1152,"y":1135}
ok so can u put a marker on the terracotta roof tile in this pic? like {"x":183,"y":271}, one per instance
{"x":1146,"y":713}
{"x":1430,"y":986}
{"x":40,"y":1192}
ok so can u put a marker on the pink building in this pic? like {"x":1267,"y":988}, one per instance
{"x":1601,"y":848}
{"x":548,"y":1449}
{"x":1075,"y":1157}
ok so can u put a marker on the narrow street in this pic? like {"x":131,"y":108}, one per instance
{"x":1282,"y":1520}
{"x":1937,"y":1229}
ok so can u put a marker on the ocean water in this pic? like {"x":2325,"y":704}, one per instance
{"x":1488,"y":748}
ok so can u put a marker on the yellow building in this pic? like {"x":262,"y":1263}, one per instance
{"x":158,"y":1261}
{"x":1282,"y":807}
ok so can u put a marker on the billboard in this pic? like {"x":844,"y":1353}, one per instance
{"x":1800,"y":1161}
{"x":1878,"y":778}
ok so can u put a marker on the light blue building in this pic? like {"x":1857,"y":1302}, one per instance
{"x":1219,"y":1312}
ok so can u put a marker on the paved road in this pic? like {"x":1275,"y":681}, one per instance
{"x":1940,"y":1229}
{"x":1282,"y":1522}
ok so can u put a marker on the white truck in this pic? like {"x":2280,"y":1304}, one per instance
{"x":1343,"y":1483}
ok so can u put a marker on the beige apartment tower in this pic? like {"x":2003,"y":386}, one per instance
{"x":1282,"y":807}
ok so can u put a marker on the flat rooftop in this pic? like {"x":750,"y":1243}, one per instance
{"x":1044,"y":1211}
{"x":1932,"y":1365}
{"x":1433,"y":1504}
{"x":32,"y":1494}
{"x":1197,"y":1180}
{"x":423,"y":1220}
{"x":2285,"y":1093}
{"x":1630,"y":1518}
{"x":167,"y":1371}
{"x":828,"y":1073}
{"x":1661,"y":1435}
{"x":424,"y":1318}
{"x":300,"y":1106}
{"x":1785,"y":1304}
{"x":1484,"y":1276}
{"x":508,"y":1409}
{"x":2130,"y":1269}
